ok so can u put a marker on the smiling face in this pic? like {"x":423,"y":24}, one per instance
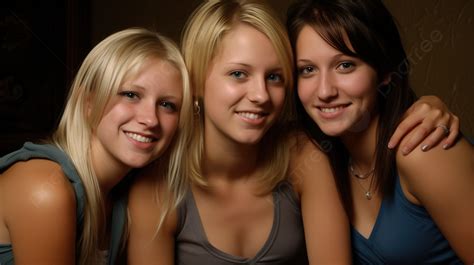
{"x":141,"y":120}
{"x":337,"y":91}
{"x":244,"y":88}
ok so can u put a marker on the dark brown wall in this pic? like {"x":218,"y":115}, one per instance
{"x":438,"y":37}
{"x":42,"y":44}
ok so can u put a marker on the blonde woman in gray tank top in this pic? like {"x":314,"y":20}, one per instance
{"x":253,"y":185}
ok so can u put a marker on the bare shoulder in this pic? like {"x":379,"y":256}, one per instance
{"x":146,"y":192}
{"x":39,"y":211}
{"x":309,"y":165}
{"x":442,"y":181}
{"x":304,"y":148}
{"x":418,"y":165}
{"x":36,"y":184}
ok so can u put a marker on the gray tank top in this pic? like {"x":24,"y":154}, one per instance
{"x":51,"y":152}
{"x":284,"y":245}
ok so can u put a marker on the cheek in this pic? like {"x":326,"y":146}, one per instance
{"x":305,"y":90}
{"x":114,"y":117}
{"x":169,"y":123}
{"x":359,"y":85}
{"x":278,"y":95}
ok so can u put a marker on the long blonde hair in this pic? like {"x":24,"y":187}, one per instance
{"x":103,"y":71}
{"x":202,"y":35}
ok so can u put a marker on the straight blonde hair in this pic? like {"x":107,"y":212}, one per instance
{"x":103,"y":71}
{"x":202,"y":35}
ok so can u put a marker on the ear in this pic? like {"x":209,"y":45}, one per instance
{"x":387,"y":78}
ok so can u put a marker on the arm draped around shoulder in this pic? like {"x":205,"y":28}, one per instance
{"x":40,"y":213}
{"x":325,"y":222}
{"x":443,"y":182}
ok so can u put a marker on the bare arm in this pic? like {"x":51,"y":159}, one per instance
{"x":325,"y":222}
{"x":443,"y":182}
{"x":423,"y":118}
{"x":40,"y":213}
{"x":144,"y":245}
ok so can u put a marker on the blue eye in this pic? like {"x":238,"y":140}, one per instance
{"x":129,"y":94}
{"x":276,"y":78}
{"x":169,"y":106}
{"x":237,"y":74}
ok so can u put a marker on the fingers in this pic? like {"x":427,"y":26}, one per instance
{"x":428,"y":121}
{"x":453,"y":134}
{"x":448,"y":133}
{"x":438,"y":129}
{"x":416,"y":137}
{"x":434,"y":138}
{"x":423,"y":129}
{"x":413,"y":117}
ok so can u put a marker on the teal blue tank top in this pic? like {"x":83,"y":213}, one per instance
{"x":51,"y":152}
{"x":404,"y":233}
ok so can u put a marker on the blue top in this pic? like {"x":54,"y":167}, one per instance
{"x":51,"y":152}
{"x":404,"y":233}
{"x":284,"y":245}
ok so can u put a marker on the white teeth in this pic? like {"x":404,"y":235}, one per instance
{"x":139,"y":138}
{"x":330,"y":110}
{"x":250,"y":115}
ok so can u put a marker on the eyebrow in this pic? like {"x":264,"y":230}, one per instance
{"x":335,"y":57}
{"x":250,"y":66}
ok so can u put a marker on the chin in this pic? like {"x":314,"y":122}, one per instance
{"x":139,"y":162}
{"x":332,"y":131}
{"x":249,"y":140}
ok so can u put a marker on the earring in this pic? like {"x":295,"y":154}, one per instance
{"x":197,"y":108}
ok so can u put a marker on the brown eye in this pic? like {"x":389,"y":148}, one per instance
{"x":306,"y":70}
{"x":346,"y":67}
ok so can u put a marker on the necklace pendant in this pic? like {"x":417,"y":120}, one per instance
{"x":368,"y":195}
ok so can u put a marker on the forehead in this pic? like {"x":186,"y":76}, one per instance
{"x":309,"y":40}
{"x":245,"y":42}
{"x":157,"y":74}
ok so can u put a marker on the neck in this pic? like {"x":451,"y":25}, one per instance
{"x":229,"y":160}
{"x":361,"y":146}
{"x":109,"y":171}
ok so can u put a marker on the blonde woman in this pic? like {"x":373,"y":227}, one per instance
{"x":248,"y":201}
{"x":59,"y":202}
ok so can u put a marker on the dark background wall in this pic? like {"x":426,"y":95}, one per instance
{"x":43,"y":42}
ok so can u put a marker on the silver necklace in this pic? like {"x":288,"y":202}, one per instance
{"x":359,"y":177}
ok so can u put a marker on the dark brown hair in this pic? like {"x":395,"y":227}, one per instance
{"x":373,"y":34}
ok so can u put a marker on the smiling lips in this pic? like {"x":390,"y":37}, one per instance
{"x":140,"y":138}
{"x":253,"y":117}
{"x":332,"y":111}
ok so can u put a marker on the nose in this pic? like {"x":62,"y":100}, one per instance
{"x":326,"y":87}
{"x":147,"y":114}
{"x":258,"y":91}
